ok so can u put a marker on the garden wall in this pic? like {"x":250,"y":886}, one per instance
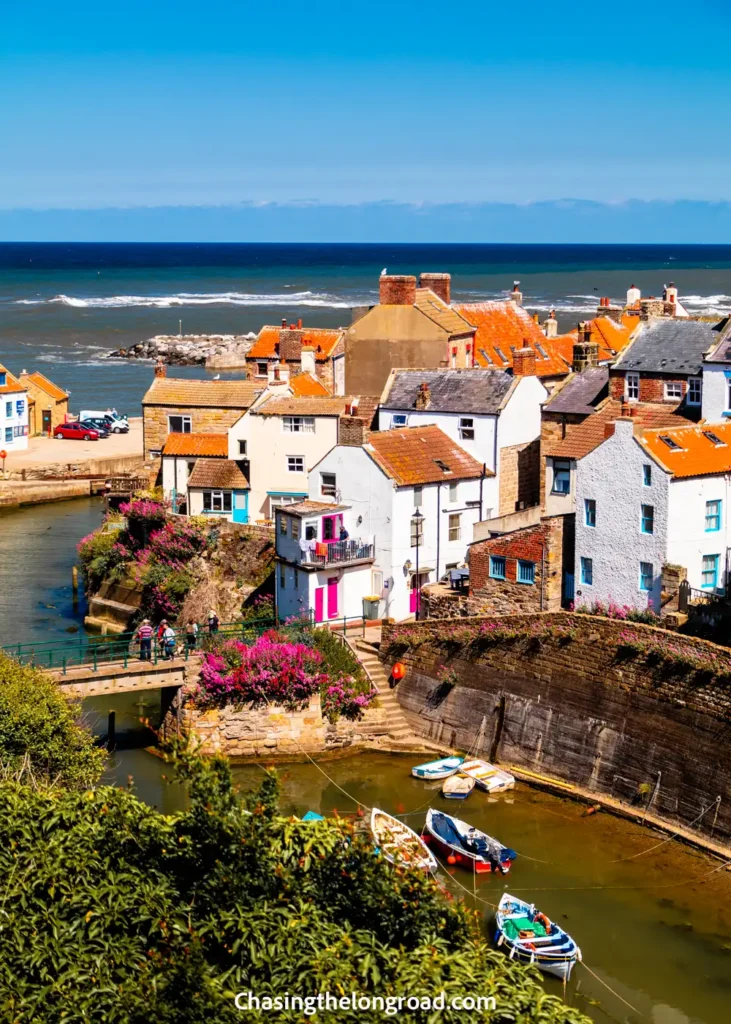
{"x":608,"y":705}
{"x":272,"y":731}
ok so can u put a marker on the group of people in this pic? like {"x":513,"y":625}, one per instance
{"x":166,"y":637}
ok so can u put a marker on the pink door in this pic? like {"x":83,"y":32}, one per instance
{"x":319,"y":604}
{"x":415,"y":595}
{"x":332,"y":597}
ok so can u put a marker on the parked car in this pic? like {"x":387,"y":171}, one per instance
{"x":117,"y":424}
{"x":75,"y":432}
{"x":100,"y":426}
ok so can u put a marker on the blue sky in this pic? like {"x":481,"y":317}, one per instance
{"x":189,"y":104}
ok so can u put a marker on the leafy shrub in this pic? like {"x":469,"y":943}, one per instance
{"x":612,"y":610}
{"x":99,"y":554}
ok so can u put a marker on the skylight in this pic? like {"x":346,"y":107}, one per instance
{"x":672,"y":445}
{"x":541,"y":350}
{"x":501,"y":354}
{"x":714,"y":438}
{"x":486,"y":357}
{"x":443,"y":466}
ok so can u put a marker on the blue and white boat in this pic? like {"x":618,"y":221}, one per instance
{"x":462,"y":843}
{"x":531,"y":938}
{"x":437,"y":769}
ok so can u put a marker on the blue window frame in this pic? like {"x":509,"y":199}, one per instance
{"x":648,"y":519}
{"x":646,"y":575}
{"x":3,"y":378}
{"x":589,"y":512}
{"x":8,"y":409}
{"x":713,"y":516}
{"x":587,"y":571}
{"x":8,"y":433}
{"x":497,"y":567}
{"x":526,"y":572}
{"x":647,"y":475}
{"x":709,"y":572}
{"x":19,"y":408}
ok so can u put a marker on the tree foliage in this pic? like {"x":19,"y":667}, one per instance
{"x":113,"y":912}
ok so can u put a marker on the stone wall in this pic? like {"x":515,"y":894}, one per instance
{"x":203,"y":421}
{"x":519,"y":476}
{"x":575,"y":707}
{"x":541,"y":545}
{"x":272,"y":731}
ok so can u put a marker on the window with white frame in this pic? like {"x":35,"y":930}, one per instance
{"x":466,"y":428}
{"x":242,"y":447}
{"x":673,"y":390}
{"x":180,"y":424}
{"x":417,"y":533}
{"x":295,"y":463}
{"x":561,"y":476}
{"x":455,"y":529}
{"x":695,"y":390}
{"x":217,"y":501}
{"x":328,"y":485}
{"x":418,"y":497}
{"x":632,"y":387}
{"x":398,"y":420}
{"x":646,"y":575}
{"x":376,"y":582}
{"x":453,"y":492}
{"x":298,"y":424}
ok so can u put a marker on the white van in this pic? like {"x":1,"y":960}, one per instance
{"x":118,"y":425}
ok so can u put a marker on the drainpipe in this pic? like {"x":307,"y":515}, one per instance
{"x":482,"y":481}
{"x":494,"y":463}
{"x":543,"y":571}
{"x":439,"y":516}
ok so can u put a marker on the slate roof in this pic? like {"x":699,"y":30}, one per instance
{"x":611,"y":337}
{"x":459,"y":391}
{"x":585,"y":437}
{"x":722,"y":351}
{"x":222,"y":473}
{"x":704,"y":450}
{"x":323,"y":340}
{"x":206,"y":394}
{"x":421,"y":455}
{"x":503,"y":327}
{"x":190,"y":445}
{"x":669,"y":346}
{"x":580,"y":393}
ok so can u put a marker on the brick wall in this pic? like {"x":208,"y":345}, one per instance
{"x":204,"y":421}
{"x":353,"y":431}
{"x":577,"y":709}
{"x":542,"y":545}
{"x":520,"y":475}
{"x":652,"y":388}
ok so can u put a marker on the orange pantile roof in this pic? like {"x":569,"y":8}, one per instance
{"x":204,"y":394}
{"x":189,"y":445}
{"x":289,"y":405}
{"x":323,"y":339}
{"x":447,"y":317}
{"x":503,"y":327}
{"x":704,"y":450}
{"x":305,"y":385}
{"x":421,"y":455}
{"x":611,"y":337}
{"x":51,"y":389}
{"x":584,"y":437}
{"x":217,"y":473}
{"x":12,"y":385}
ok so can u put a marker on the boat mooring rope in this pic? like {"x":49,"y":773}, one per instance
{"x":670,"y":838}
{"x":610,"y":989}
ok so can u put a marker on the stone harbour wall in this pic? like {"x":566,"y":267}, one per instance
{"x":575,"y":707}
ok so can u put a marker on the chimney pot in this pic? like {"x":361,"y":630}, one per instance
{"x":284,"y":323}
{"x":397,"y":290}
{"x":423,"y":396}
{"x":516,"y":295}
{"x":299,"y":324}
{"x":161,"y":369}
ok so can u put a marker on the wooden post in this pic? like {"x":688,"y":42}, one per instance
{"x":111,"y":726}
{"x":75,"y":579}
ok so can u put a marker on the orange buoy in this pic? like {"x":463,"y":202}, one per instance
{"x":451,"y":859}
{"x":398,"y":671}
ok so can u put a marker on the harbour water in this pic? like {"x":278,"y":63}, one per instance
{"x":655,"y":928}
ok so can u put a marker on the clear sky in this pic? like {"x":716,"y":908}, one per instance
{"x":176,"y":104}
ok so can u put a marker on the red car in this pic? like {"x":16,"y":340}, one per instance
{"x":75,"y":432}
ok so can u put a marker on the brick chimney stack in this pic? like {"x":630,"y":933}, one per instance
{"x":440,"y":284}
{"x":290,"y":344}
{"x":397,"y":290}
{"x":423,"y":396}
{"x":524,"y":361}
{"x":586,"y":351}
{"x":605,"y":308}
{"x":651,"y":308}
{"x":161,"y":369}
{"x":516,"y":295}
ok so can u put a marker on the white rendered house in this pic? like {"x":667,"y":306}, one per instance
{"x":491,"y":414}
{"x":378,"y":489}
{"x":13,"y":413}
{"x":645,"y":500}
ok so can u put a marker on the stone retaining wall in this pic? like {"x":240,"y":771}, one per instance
{"x":577,"y":706}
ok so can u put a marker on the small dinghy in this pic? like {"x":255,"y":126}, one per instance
{"x":399,"y":844}
{"x":533,"y":939}
{"x":487,"y":776}
{"x":437,"y":769}
{"x":463,"y":844}
{"x":458,"y":787}
{"x":312,"y":816}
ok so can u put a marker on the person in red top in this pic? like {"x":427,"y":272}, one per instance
{"x":144,"y":635}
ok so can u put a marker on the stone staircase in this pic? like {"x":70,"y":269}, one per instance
{"x":401,"y":737}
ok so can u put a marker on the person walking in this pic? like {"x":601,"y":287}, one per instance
{"x":168,"y":640}
{"x":159,"y":642}
{"x":144,"y":635}
{"x":212,"y":622}
{"x":191,"y":634}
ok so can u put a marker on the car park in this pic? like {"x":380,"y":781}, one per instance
{"x":117,"y":424}
{"x":75,"y":431}
{"x":101,"y":426}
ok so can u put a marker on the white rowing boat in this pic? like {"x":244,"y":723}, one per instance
{"x":487,"y":776}
{"x":399,"y":844}
{"x":458,"y":787}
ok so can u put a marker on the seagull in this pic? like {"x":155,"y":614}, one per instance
{"x":217,"y":377}
{"x":383,"y":272}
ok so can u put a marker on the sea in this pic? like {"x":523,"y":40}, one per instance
{"x":65,"y":306}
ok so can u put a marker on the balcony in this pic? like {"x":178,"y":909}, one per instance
{"x":340,"y":552}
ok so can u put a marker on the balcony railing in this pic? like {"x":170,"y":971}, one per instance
{"x":340,"y":552}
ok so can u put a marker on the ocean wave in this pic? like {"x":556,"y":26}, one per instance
{"x":306,"y":298}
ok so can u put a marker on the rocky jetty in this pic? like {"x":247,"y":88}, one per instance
{"x":214,"y":350}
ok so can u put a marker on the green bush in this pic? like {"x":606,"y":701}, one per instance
{"x":115,"y":913}
{"x":39,"y":730}
{"x":99,"y":556}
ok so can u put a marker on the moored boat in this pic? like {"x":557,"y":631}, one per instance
{"x":530,"y":937}
{"x":458,"y":787}
{"x":463,"y":844}
{"x":312,"y":816}
{"x":487,"y":776}
{"x":399,"y":844}
{"x":441,"y":769}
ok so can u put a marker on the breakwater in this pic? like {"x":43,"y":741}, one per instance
{"x":618,"y":708}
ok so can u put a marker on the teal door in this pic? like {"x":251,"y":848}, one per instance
{"x":241,"y":507}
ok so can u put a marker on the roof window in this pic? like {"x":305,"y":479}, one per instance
{"x":443,"y":466}
{"x":542,"y":350}
{"x":714,"y":438}
{"x":672,"y":445}
{"x":486,"y":357}
{"x":501,"y":354}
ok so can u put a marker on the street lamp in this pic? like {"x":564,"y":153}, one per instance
{"x":417,"y":518}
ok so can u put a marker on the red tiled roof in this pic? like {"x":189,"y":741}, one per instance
{"x":305,"y":385}
{"x":588,"y":435}
{"x":189,"y":445}
{"x":502,"y":328}
{"x":421,"y":455}
{"x":323,"y":339}
{"x":699,"y":454}
{"x":611,"y":337}
{"x":12,"y":385}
